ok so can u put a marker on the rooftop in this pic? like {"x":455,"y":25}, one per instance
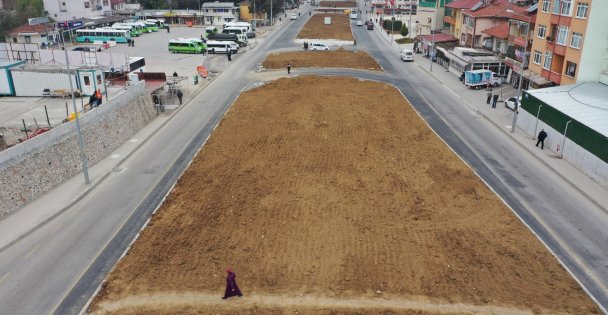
{"x":501,"y":9}
{"x":218,"y":4}
{"x":438,"y":38}
{"x":499,"y":31}
{"x":30,"y":29}
{"x":586,"y":102}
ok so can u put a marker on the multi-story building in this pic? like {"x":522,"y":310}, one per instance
{"x":570,"y":42}
{"x":218,"y":13}
{"x":453,"y":15}
{"x":63,"y":10}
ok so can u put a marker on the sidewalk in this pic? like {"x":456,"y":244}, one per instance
{"x":40,"y":211}
{"x":502,"y":119}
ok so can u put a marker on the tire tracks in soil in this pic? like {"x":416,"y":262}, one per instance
{"x":360,"y":304}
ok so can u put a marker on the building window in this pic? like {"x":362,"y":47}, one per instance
{"x":556,"y":6}
{"x":548,"y":59}
{"x":581,"y":10}
{"x":576,"y":40}
{"x":546,"y":5}
{"x":542,"y":31}
{"x":14,"y":39}
{"x":87,"y":80}
{"x":105,"y":3}
{"x":562,"y":35}
{"x":87,"y":4}
{"x":566,"y":7}
{"x":537,"y":57}
{"x":570,"y":69}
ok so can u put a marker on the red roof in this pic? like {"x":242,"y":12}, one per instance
{"x":499,"y":9}
{"x":439,"y":38}
{"x":500,"y":31}
{"x":40,"y":29}
{"x":462,"y":4}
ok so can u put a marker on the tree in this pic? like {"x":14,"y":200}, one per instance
{"x":24,"y":9}
{"x":404,"y":30}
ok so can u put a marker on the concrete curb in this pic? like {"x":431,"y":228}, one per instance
{"x":566,"y":179}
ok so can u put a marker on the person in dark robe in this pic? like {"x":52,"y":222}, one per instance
{"x":231,"y":288}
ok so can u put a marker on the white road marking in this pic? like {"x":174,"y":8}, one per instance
{"x":31,"y":252}
{"x":133,"y":140}
{"x":114,"y":156}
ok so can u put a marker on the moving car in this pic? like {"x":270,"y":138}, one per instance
{"x":318,"y":46}
{"x":407,"y":55}
{"x":294,"y":17}
{"x":510,"y":103}
{"x":359,"y":23}
{"x":370,"y":25}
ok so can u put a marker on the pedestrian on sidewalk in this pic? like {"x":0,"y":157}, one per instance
{"x":489,"y":95}
{"x":179,"y":96}
{"x":288,"y":68}
{"x":542,"y":135}
{"x":494,"y":100}
{"x":229,"y":54}
{"x":132,"y":43}
{"x":232,"y":289}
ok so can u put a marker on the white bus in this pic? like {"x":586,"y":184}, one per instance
{"x":216,"y":47}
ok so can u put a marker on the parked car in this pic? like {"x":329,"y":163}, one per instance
{"x":85,"y":48}
{"x":318,"y":46}
{"x":294,"y":17}
{"x":407,"y":55}
{"x":510,"y":103}
{"x":477,"y":79}
{"x":359,"y":23}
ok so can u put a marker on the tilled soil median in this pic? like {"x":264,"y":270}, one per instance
{"x":334,"y":187}
{"x":316,"y":28}
{"x":322,"y":59}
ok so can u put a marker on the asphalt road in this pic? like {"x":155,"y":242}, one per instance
{"x":56,"y":268}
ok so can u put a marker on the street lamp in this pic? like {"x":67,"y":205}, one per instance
{"x":521,"y":70}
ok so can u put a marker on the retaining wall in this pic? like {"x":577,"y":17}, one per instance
{"x":31,"y":169}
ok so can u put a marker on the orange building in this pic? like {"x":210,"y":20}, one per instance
{"x":562,"y":27}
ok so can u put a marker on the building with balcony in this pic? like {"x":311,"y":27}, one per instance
{"x":218,"y":13}
{"x":62,"y":10}
{"x":570,"y":43}
{"x":453,"y":15}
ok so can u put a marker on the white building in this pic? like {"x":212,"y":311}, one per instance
{"x":218,"y":13}
{"x":63,"y":10}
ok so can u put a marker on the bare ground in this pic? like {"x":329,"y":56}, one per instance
{"x":322,"y":59}
{"x":339,"y":28}
{"x":334,"y":188}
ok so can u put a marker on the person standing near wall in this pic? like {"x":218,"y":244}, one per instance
{"x":542,"y":135}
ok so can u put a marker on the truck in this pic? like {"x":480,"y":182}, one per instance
{"x":476,"y":79}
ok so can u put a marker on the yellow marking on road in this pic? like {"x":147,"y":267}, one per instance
{"x":57,"y":229}
{"x":5,"y":276}
{"x":31,"y":252}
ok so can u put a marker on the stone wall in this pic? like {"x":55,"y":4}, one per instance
{"x":31,"y":169}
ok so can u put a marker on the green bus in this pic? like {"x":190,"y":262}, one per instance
{"x":197,"y":41}
{"x":185,"y":46}
{"x":102,"y":35}
{"x":159,"y":23}
{"x":152,"y":26}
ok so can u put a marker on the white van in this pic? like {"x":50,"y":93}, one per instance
{"x":246,"y":25}
{"x":221,"y":47}
{"x":240,"y":32}
{"x":407,"y":55}
{"x":353,"y":15}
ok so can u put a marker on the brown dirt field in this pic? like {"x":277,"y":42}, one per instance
{"x":334,"y":188}
{"x":340,"y":58}
{"x":338,"y":29}
{"x":338,"y":4}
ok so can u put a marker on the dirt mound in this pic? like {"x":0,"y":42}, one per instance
{"x":339,"y":28}
{"x":322,"y":59}
{"x":334,"y":187}
{"x":338,"y":4}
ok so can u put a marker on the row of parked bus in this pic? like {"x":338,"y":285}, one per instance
{"x":233,"y":36}
{"x":119,"y":32}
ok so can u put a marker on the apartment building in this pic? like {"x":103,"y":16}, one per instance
{"x":64,"y":10}
{"x":570,"y":42}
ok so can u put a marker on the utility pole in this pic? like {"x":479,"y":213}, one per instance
{"x":83,"y":157}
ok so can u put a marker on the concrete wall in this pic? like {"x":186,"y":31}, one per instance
{"x":32,"y":168}
{"x":582,"y":159}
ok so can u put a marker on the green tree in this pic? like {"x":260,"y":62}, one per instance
{"x":25,"y":9}
{"x":404,"y":30}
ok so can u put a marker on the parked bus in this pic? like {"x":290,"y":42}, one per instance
{"x":185,"y":46}
{"x":139,"y":28}
{"x":152,"y":26}
{"x":132,"y":31}
{"x":197,"y":41}
{"x":221,"y":47}
{"x":102,"y":35}
{"x":159,"y":23}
